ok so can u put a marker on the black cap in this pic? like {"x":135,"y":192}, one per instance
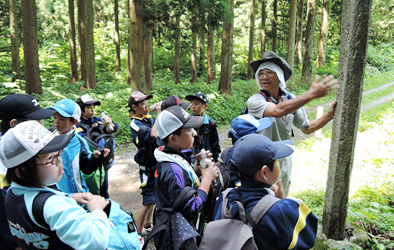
{"x":198,"y":95}
{"x":174,"y":100}
{"x":22,"y":106}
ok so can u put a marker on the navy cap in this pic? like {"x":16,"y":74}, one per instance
{"x":251,"y":152}
{"x":173,"y":100}
{"x":247,"y":124}
{"x":22,"y":106}
{"x":198,"y":95}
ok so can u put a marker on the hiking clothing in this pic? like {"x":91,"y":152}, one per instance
{"x":207,"y":138}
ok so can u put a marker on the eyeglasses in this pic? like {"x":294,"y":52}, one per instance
{"x":267,"y":73}
{"x":54,"y":160}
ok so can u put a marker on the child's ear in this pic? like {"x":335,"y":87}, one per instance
{"x":75,"y":121}
{"x":263,"y":172}
{"x":206,"y":105}
{"x":172,"y":138}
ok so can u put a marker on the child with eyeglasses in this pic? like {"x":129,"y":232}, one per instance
{"x":32,"y":156}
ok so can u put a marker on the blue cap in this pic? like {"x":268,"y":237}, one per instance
{"x":251,"y":152}
{"x":67,"y":108}
{"x":247,"y":124}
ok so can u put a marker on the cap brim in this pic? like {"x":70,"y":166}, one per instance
{"x":59,"y":142}
{"x":282,"y":64}
{"x":264,"y":124}
{"x":283,"y":149}
{"x":185,"y":105}
{"x":40,"y":114}
{"x":97,"y":103}
{"x":194,"y":122}
{"x":60,"y":111}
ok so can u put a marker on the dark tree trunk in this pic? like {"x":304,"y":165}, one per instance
{"x":309,"y":38}
{"x":201,"y":61}
{"x":30,"y":47}
{"x":89,"y":43}
{"x":251,"y":39}
{"x":227,"y":51}
{"x":321,"y":55}
{"x":14,"y":32}
{"x":274,"y":25}
{"x":211,"y":57}
{"x":292,"y":31}
{"x":263,"y":17}
{"x":299,"y":32}
{"x":71,"y":39}
{"x":177,"y":51}
{"x":117,"y":39}
{"x":193,"y":59}
{"x":148,"y":54}
{"x":81,"y":39}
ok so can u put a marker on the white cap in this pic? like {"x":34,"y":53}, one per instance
{"x":27,"y":139}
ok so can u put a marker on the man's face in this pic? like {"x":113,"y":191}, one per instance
{"x":269,"y":81}
{"x":198,"y":107}
{"x":89,"y":111}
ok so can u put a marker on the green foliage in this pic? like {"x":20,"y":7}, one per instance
{"x":380,"y":56}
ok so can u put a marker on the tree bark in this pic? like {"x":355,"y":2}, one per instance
{"x":227,"y":51}
{"x":194,"y":44}
{"x":30,"y":47}
{"x":148,"y":53}
{"x":14,"y":32}
{"x":89,"y":42}
{"x":136,"y":48}
{"x":211,"y":57}
{"x":117,"y":40}
{"x":201,"y":61}
{"x":321,"y":55}
{"x":292,"y":31}
{"x":356,"y":17}
{"x":299,"y":32}
{"x":309,"y":38}
{"x":177,"y":48}
{"x":71,"y":40}
{"x":263,"y":17}
{"x":274,"y":25}
{"x":81,"y":39}
{"x":251,"y":40}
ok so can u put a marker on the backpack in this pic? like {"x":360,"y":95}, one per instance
{"x":222,"y":183}
{"x":177,"y":229}
{"x":145,"y":155}
{"x":232,"y":233}
{"x":245,"y":110}
{"x":123,"y":234}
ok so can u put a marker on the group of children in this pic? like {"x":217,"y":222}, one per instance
{"x":170,"y":151}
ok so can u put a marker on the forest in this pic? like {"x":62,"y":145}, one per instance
{"x":110,"y":48}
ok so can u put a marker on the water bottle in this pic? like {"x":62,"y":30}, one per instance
{"x":204,"y":164}
{"x":152,"y":107}
{"x":106,"y":121}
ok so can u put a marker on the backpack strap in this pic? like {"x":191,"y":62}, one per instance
{"x":183,"y":198}
{"x":38,"y":208}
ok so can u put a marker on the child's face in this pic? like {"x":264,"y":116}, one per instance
{"x":89,"y":111}
{"x":62,"y":124}
{"x":273,"y":176}
{"x":49,"y":168}
{"x":198,"y":107}
{"x":185,"y":140}
{"x":141,"y":108}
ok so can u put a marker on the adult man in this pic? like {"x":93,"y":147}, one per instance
{"x":283,"y":108}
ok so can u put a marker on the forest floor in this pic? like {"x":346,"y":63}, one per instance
{"x":309,"y":170}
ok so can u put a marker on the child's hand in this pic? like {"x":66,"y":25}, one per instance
{"x":209,"y":155}
{"x":96,"y":154}
{"x":210,"y":173}
{"x":106,"y":152}
{"x":97,"y":202}
{"x":278,"y":189}
{"x":95,"y":124}
{"x":82,"y":198}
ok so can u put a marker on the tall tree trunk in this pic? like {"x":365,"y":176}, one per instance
{"x":89,"y":42}
{"x":309,"y":37}
{"x":263,"y":17}
{"x":194,"y":44}
{"x":136,"y":48}
{"x":226,"y":60}
{"x":321,"y":55}
{"x":71,"y":41}
{"x":30,"y":47}
{"x":117,"y":40}
{"x":292,"y":31}
{"x":211,"y":57}
{"x":177,"y":50}
{"x":251,"y":39}
{"x":148,"y":54}
{"x":299,"y":32}
{"x":14,"y":30}
{"x":201,"y":61}
{"x":81,"y":39}
{"x":356,"y":17}
{"x":274,"y":25}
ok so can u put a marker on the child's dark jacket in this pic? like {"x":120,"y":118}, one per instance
{"x":208,"y":138}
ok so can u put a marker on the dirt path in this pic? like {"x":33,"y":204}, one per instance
{"x":124,"y":178}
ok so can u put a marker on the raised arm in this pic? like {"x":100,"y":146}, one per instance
{"x":320,"y":122}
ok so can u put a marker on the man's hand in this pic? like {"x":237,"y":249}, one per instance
{"x":325,"y":87}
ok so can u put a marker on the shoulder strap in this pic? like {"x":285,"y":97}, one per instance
{"x":183,"y":198}
{"x":262,"y":207}
{"x":223,"y":155}
{"x":38,"y":208}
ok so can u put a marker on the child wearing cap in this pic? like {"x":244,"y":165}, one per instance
{"x":143,"y":129}
{"x":174,"y":170}
{"x":32,"y":155}
{"x":289,"y":223}
{"x":207,"y":134}
{"x":76,"y":156}
{"x":88,"y":121}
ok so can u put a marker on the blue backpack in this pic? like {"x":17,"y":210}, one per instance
{"x":123,"y":234}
